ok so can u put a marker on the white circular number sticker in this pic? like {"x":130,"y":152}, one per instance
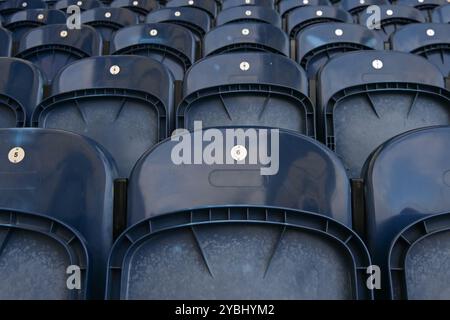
{"x":238,"y":152}
{"x":16,"y":155}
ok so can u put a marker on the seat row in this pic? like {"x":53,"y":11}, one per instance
{"x":129,"y":103}
{"x":222,"y":230}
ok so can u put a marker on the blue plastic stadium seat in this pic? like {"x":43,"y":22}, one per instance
{"x":239,"y":89}
{"x":108,"y":20}
{"x":367,"y":97}
{"x":418,"y":260}
{"x":209,"y":6}
{"x":354,"y":7}
{"x":238,"y":253}
{"x":429,"y":40}
{"x":407,"y":184}
{"x":141,"y":7}
{"x":21,"y":22}
{"x":122,"y":102}
{"x":56,"y":193}
{"x":302,"y":17}
{"x":248,"y":36}
{"x":82,"y":4}
{"x":392,"y":19}
{"x":286,"y":6}
{"x":249,"y":14}
{"x":54,"y":46}
{"x":238,"y":3}
{"x":38,"y":250}
{"x":172,"y":45}
{"x":9,"y":7}
{"x":302,"y":174}
{"x":196,"y":20}
{"x":424,"y":5}
{"x":319,"y":43}
{"x":17,"y":101}
{"x":441,"y":14}
{"x":6,"y":41}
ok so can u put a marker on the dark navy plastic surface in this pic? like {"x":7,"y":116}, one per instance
{"x":210,"y":7}
{"x":82,"y":4}
{"x":392,"y":18}
{"x":356,"y":6}
{"x":248,"y":14}
{"x":305,"y":16}
{"x":441,"y":14}
{"x":249,"y":36}
{"x":10,"y":6}
{"x":285,"y":6}
{"x":141,"y":7}
{"x":34,"y":242}
{"x":54,"y":46}
{"x":317,"y":44}
{"x":425,"y":5}
{"x":418,"y":260}
{"x":107,"y":20}
{"x":65,"y":177}
{"x":310,"y":177}
{"x":21,"y":22}
{"x":194,"y":19}
{"x":407,"y":179}
{"x":242,"y":89}
{"x":238,"y":253}
{"x":430,"y":40}
{"x":126,"y":112}
{"x":18,"y":98}
{"x":238,"y":3}
{"x":6,"y":42}
{"x":170,"y":44}
{"x":361,"y":106}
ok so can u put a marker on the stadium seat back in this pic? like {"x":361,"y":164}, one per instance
{"x":172,"y":45}
{"x":238,"y":253}
{"x":319,"y":43}
{"x":108,"y":20}
{"x":245,"y":37}
{"x":54,"y":46}
{"x":17,"y":102}
{"x":249,"y":14}
{"x":393,"y":18}
{"x":196,"y":20}
{"x":368,"y":97}
{"x":7,"y":8}
{"x":302,"y":17}
{"x":429,"y":40}
{"x":21,"y":22}
{"x":208,"y":6}
{"x":122,"y":102}
{"x":297,"y":173}
{"x":61,"y":182}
